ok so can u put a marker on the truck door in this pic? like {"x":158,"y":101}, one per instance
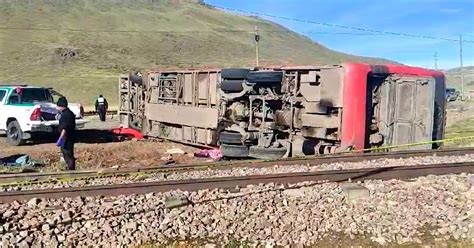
{"x":407,"y":111}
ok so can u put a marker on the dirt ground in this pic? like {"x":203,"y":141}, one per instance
{"x":96,"y":149}
{"x":459,"y":111}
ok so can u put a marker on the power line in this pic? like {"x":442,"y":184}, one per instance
{"x":337,"y":25}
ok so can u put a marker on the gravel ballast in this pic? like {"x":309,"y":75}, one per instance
{"x":440,"y":207}
{"x":241,"y":171}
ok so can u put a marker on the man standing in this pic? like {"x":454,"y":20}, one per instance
{"x":67,"y":129}
{"x":101,"y":107}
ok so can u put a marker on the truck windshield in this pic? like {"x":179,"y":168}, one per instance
{"x":32,"y":95}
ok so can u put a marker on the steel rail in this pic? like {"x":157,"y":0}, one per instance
{"x":383,"y":173}
{"x":309,"y":160}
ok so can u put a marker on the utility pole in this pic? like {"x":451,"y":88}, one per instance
{"x":436,"y":60}
{"x":257,"y":39}
{"x":461,"y":75}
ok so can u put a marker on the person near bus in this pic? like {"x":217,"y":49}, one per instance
{"x":101,"y":107}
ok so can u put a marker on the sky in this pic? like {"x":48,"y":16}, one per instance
{"x":436,"y":18}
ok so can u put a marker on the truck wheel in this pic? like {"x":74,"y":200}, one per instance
{"x":234,"y":151}
{"x":14,"y":134}
{"x":234,"y":73}
{"x":267,"y":153}
{"x":232,"y":85}
{"x":226,"y":137}
{"x":135,"y":79}
{"x":265,"y":77}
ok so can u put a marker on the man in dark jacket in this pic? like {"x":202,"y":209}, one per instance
{"x":67,"y":129}
{"x":101,"y":107}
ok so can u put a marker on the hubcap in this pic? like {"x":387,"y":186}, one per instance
{"x":13,"y":133}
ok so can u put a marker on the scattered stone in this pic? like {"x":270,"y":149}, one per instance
{"x":380,"y":240}
{"x":395,"y":212}
{"x":33,"y":202}
{"x":355,"y":192}
{"x":61,"y":238}
{"x":45,"y":227}
{"x":300,"y":192}
{"x":175,"y":151}
{"x":9,"y":213}
{"x":176,"y":201}
{"x":23,"y":234}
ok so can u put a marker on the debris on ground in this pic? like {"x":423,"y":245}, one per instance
{"x":129,"y":132}
{"x":102,"y":155}
{"x":19,"y":163}
{"x":20,"y":160}
{"x":215,"y":154}
{"x":173,"y":151}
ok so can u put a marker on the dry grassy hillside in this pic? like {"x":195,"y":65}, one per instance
{"x":80,"y":46}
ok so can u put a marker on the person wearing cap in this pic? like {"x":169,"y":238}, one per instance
{"x":67,"y":130}
{"x":101,"y":107}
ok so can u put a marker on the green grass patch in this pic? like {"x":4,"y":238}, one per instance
{"x":461,"y":129}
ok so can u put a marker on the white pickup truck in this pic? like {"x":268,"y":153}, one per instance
{"x":29,"y":110}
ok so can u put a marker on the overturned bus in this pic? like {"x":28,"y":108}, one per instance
{"x":288,"y":111}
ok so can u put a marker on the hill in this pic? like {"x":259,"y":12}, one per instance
{"x":454,"y":80}
{"x":80,"y":46}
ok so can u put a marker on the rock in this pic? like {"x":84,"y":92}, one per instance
{"x":299,"y":192}
{"x":33,"y":202}
{"x":175,"y":151}
{"x":21,"y":212}
{"x":176,"y":201}
{"x":66,"y":214}
{"x":61,"y":238}
{"x":33,"y":222}
{"x":9,"y":213}
{"x":443,"y":230}
{"x":53,"y":242}
{"x":88,"y":224}
{"x":470,"y":180}
{"x":45,"y":227}
{"x":7,"y":226}
{"x":355,"y":192}
{"x":23,"y":234}
{"x":380,"y":240}
{"x":67,"y":220}
{"x":29,"y":239}
{"x":5,"y":243}
{"x":132,"y":225}
{"x":23,"y":244}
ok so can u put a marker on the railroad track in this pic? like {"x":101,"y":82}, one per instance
{"x":396,"y":172}
{"x":19,"y":178}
